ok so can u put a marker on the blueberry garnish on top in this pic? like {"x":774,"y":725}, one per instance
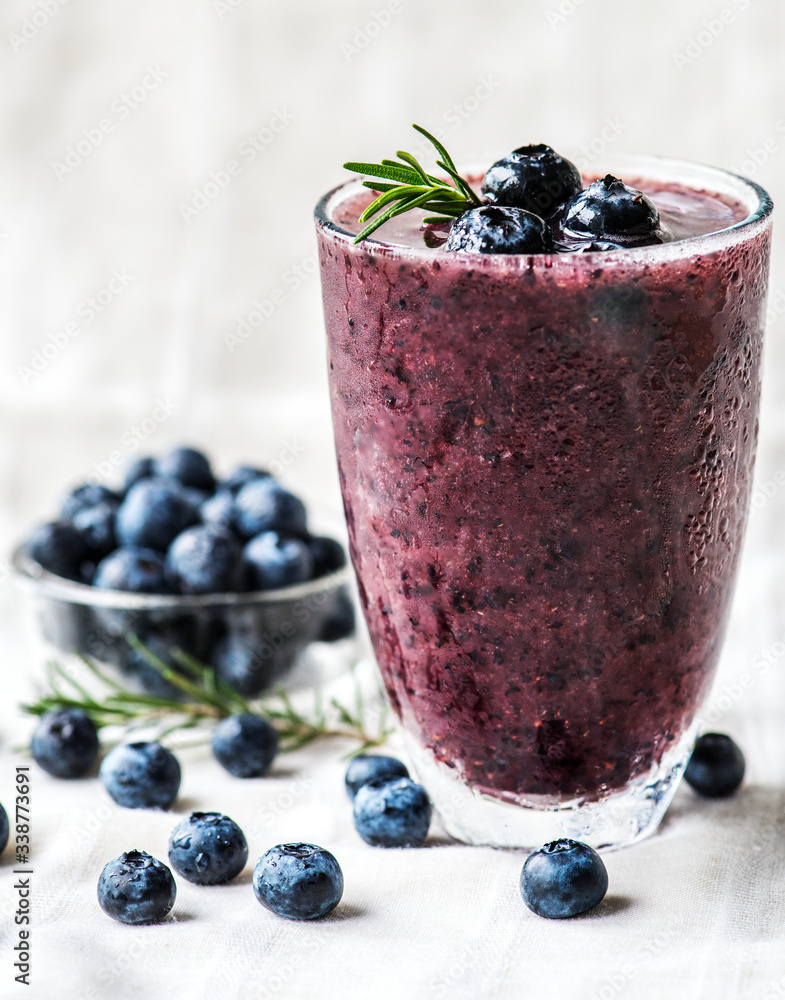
{"x":558,"y":215}
{"x":586,"y":246}
{"x":610,"y":211}
{"x":533,"y":203}
{"x":532,"y":177}
{"x":496,"y":229}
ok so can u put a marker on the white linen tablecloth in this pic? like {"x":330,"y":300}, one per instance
{"x":696,"y":911}
{"x":117,"y":123}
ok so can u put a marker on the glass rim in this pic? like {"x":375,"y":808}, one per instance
{"x":661,"y":168}
{"x":31,"y":575}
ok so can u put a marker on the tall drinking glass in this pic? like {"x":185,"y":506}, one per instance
{"x":546,"y":465}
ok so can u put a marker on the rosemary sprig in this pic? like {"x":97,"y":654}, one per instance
{"x":405,"y":185}
{"x":206,"y":699}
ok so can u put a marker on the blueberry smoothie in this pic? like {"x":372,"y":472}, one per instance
{"x":546,"y":460}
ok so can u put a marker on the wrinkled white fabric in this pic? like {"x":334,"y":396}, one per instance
{"x":210,"y":331}
{"x":695,"y":911}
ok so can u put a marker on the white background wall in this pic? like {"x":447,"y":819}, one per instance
{"x":228,"y":67}
{"x":344,"y":79}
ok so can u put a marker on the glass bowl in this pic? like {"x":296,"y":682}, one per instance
{"x":253,"y":640}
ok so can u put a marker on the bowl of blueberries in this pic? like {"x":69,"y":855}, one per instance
{"x":224,"y":570}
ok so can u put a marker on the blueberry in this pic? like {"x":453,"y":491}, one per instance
{"x":272,"y":561}
{"x":208,"y":848}
{"x":434,"y":234}
{"x":372,"y":767}
{"x":203,"y":560}
{"x":136,"y":889}
{"x":220,"y":510}
{"x":237,"y":660}
{"x":532,"y":177}
{"x":341,"y":621}
{"x":65,"y":743}
{"x":494,"y":229}
{"x":140,"y":468}
{"x":134,"y":570}
{"x":610,"y":211}
{"x":153,"y":513}
{"x":96,"y":525}
{"x":327,"y":554}
{"x":141,"y":776}
{"x":245,"y":745}
{"x":240,"y":476}
{"x":298,"y":881}
{"x":5,"y":829}
{"x":563,"y":878}
{"x":393,"y":813}
{"x":716,"y":767}
{"x":59,"y":548}
{"x":86,"y":496}
{"x":197,"y":498}
{"x":136,"y":666}
{"x":188,"y":466}
{"x":264,"y":505}
{"x":584,"y":246}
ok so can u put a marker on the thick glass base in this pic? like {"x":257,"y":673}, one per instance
{"x":617,"y":820}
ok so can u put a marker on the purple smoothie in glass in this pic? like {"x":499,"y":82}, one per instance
{"x":546,"y":464}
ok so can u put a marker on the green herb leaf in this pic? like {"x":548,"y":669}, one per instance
{"x":413,"y":188}
{"x":207,"y":699}
{"x":460,"y":182}
{"x":379,"y":186}
{"x":394,"y":194}
{"x":388,"y":171}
